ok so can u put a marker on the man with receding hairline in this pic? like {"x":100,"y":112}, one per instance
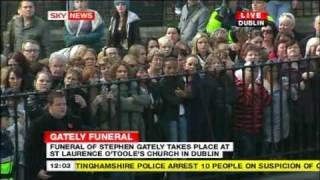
{"x":31,"y":50}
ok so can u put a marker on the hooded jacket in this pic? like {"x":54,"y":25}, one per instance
{"x":74,"y":36}
{"x":132,"y":31}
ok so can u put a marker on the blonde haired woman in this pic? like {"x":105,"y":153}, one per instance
{"x":311,"y":46}
{"x":287,"y":23}
{"x":201,"y":48}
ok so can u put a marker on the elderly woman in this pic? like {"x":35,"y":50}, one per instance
{"x":287,"y":24}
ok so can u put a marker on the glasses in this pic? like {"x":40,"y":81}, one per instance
{"x":31,"y":50}
{"x":267,"y":31}
{"x":13,"y":65}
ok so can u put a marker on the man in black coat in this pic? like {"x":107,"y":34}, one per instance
{"x":55,"y":118}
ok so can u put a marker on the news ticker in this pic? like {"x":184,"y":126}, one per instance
{"x":138,"y":150}
{"x":77,"y":151}
{"x":126,"y":145}
{"x":183,"y":165}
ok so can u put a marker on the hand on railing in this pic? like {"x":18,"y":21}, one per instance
{"x":43,"y":174}
{"x":181,"y":93}
{"x":307,"y":75}
{"x":80,"y":100}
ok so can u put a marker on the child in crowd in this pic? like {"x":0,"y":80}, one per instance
{"x":251,"y":100}
{"x":151,"y":112}
{"x":276,"y":125}
{"x":155,"y":59}
{"x":194,"y":103}
{"x":165,"y":46}
{"x":250,"y":54}
{"x":219,"y":93}
{"x":7,"y":148}
{"x":172,"y":116}
{"x":256,"y":38}
{"x":280,"y":51}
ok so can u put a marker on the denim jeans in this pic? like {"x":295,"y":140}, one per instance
{"x":276,"y":8}
{"x":247,"y":145}
{"x":176,"y":130}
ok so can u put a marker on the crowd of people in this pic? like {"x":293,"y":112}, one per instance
{"x":204,"y":80}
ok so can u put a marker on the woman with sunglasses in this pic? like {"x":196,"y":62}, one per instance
{"x":269,"y":33}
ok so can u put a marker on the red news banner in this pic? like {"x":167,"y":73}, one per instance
{"x":90,"y":136}
{"x":251,"y":18}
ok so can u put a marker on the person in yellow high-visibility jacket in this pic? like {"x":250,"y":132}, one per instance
{"x":7,"y":149}
{"x":224,"y":16}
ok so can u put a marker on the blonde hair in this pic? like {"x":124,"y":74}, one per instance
{"x":288,"y":16}
{"x":218,"y":36}
{"x":77,"y":50}
{"x":56,"y":56}
{"x":135,"y":50}
{"x":314,"y":41}
{"x":128,"y":58}
{"x":165,"y":40}
{"x":199,"y":35}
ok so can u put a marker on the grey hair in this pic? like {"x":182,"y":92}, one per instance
{"x":289,"y":16}
{"x":57,"y":56}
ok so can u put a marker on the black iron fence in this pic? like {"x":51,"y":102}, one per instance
{"x":270,"y":111}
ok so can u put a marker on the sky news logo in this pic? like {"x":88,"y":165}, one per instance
{"x":251,"y":18}
{"x":71,"y":15}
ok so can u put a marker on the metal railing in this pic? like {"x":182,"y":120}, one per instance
{"x":292,"y":130}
